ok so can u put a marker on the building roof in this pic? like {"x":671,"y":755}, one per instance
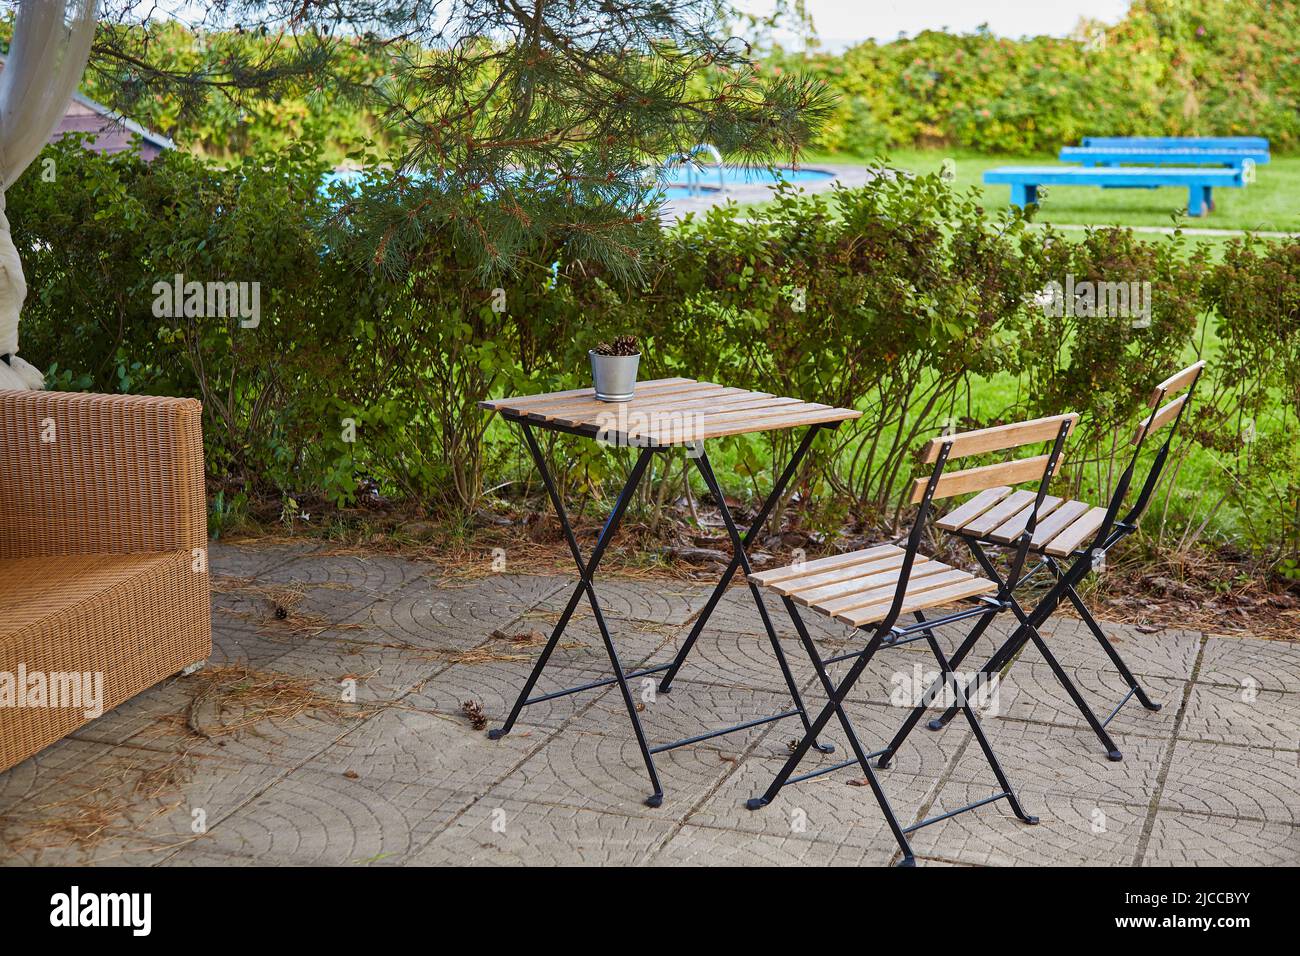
{"x":113,"y":132}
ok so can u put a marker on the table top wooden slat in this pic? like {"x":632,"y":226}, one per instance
{"x":588,"y":406}
{"x":521,"y":402}
{"x":587,"y":410}
{"x":670,"y":411}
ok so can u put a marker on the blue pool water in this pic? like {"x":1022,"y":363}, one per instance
{"x":707,"y":178}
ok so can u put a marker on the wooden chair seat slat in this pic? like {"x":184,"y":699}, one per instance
{"x":956,"y":519}
{"x":885,"y":578}
{"x":1057,"y":522}
{"x":1003,"y":511}
{"x":926,"y":599}
{"x":838,"y":575}
{"x":1010,"y":530}
{"x":843,"y":585}
{"x":1074,"y":534}
{"x":791,"y":571}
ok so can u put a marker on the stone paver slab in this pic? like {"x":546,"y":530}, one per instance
{"x":834,"y":808}
{"x":166,"y":700}
{"x":370,"y":671}
{"x":897,"y":679}
{"x":141,"y":805}
{"x":1030,"y":691}
{"x":327,"y":819}
{"x":606,"y":773}
{"x":689,"y":710}
{"x":24,"y":781}
{"x":1072,"y":831}
{"x":1167,"y":653}
{"x":1233,"y":781}
{"x":1242,"y":716}
{"x":924,"y":753}
{"x":512,"y":833}
{"x":407,"y":746}
{"x":1191,"y":839}
{"x":250,"y":559}
{"x":430,"y":614}
{"x":735,"y":659}
{"x":1247,"y":664}
{"x":239,"y":641}
{"x":286,"y":742}
{"x":661,"y":602}
{"x":1063,"y":761}
{"x":707,"y":846}
{"x":495,"y":685}
{"x":200,"y":855}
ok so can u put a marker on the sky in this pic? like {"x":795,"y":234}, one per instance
{"x":842,"y":23}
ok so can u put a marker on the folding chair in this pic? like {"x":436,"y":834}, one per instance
{"x":870,"y":589}
{"x":1069,"y":531}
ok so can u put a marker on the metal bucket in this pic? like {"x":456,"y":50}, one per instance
{"x":614,"y":376}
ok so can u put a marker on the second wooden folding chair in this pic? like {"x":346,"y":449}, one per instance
{"x":872,"y":588}
{"x":1071,"y":541}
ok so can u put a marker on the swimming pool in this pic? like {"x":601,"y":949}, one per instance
{"x":707,"y":179}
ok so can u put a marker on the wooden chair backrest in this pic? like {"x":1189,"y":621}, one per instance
{"x":983,"y":441}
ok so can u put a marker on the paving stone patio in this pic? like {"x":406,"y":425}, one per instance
{"x":401,"y":777}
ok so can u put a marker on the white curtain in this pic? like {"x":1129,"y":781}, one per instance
{"x":51,"y":41}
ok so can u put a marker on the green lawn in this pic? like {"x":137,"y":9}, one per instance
{"x":1271,"y":204}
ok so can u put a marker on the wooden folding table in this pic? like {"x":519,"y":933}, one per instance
{"x":665,"y":414}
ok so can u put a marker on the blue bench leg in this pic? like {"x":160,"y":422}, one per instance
{"x":1022,"y":194}
{"x":1198,"y":200}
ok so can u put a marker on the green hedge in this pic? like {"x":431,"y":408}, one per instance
{"x":904,"y":298}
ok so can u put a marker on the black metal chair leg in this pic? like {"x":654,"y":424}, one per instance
{"x":837,"y":699}
{"x":1000,"y":660}
{"x":827,"y":686}
{"x":923,"y":704}
{"x":1109,"y":648}
{"x":832,"y":707}
{"x":1003,"y":656}
{"x":1112,"y":752}
{"x":963,"y":702}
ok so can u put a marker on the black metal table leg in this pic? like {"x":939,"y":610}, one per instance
{"x":586,"y":572}
{"x":739,"y":547}
{"x":741,"y":551}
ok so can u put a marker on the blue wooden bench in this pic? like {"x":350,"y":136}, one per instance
{"x":1258,"y":143}
{"x":1155,"y":156}
{"x":1025,"y":180}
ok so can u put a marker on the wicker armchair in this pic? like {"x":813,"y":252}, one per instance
{"x":103,"y":562}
